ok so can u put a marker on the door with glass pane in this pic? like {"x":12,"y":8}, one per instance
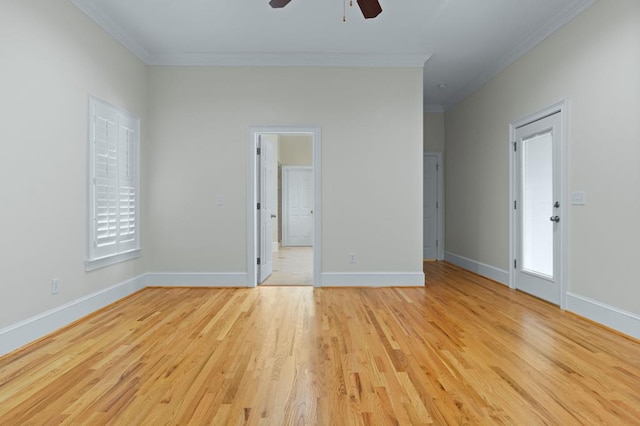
{"x":537,"y":204}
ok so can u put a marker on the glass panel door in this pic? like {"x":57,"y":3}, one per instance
{"x":537,"y":205}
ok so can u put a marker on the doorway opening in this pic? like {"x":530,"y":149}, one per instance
{"x":538,"y":219}
{"x":283,"y":206}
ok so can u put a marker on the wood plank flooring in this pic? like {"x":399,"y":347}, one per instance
{"x":462,"y":350}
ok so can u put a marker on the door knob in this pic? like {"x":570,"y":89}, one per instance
{"x":273,"y":216}
{"x":555,"y":219}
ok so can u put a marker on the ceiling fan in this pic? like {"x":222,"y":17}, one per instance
{"x":369,"y":8}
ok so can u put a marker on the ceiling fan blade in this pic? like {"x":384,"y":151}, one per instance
{"x":277,"y":4}
{"x":369,"y":8}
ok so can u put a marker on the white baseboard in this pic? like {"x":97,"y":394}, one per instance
{"x":491,"y":272}
{"x":36,"y":327}
{"x":372,"y":279}
{"x":618,"y":319}
{"x":232,"y":279}
{"x":610,"y":316}
{"x":19,"y":334}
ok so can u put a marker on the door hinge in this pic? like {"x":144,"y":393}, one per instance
{"x":258,"y":151}
{"x":515,"y":205}
{"x":437,"y":243}
{"x":258,"y":206}
{"x":437,"y":205}
{"x":258,"y":261}
{"x":437,"y":167}
{"x":515,"y":146}
{"x":515,"y":264}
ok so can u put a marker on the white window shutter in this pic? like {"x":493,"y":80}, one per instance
{"x":127,"y":199}
{"x":105,"y":140}
{"x":114,"y":197}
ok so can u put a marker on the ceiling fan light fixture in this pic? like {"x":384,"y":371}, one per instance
{"x":277,"y":4}
{"x":370,"y":8}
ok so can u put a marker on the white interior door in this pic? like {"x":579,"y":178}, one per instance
{"x":538,"y":209}
{"x":266,"y":209}
{"x":298,"y":209}
{"x":430,"y":207}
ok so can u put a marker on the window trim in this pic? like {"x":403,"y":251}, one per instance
{"x":95,"y":259}
{"x":112,"y":259}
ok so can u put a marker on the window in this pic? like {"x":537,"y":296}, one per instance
{"x":114,"y":224}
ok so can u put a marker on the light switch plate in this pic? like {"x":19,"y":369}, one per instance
{"x":220,"y":200}
{"x":578,"y":198}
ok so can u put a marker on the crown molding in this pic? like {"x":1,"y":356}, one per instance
{"x":114,"y":30}
{"x":432,"y":108}
{"x":550,"y":27}
{"x":301,"y":59}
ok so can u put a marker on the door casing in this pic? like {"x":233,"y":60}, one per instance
{"x":563,"y":109}
{"x":252,"y":191}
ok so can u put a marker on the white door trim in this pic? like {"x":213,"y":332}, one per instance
{"x":252,"y":248}
{"x":285,"y":198}
{"x":440,"y":216}
{"x":563,"y":109}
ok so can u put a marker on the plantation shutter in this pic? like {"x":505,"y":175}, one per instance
{"x":105,"y":181}
{"x":127,"y":186}
{"x":114,"y":187}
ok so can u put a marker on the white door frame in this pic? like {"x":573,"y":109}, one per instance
{"x":440,"y":216}
{"x":563,"y":109}
{"x":285,"y":202}
{"x":252,"y":190}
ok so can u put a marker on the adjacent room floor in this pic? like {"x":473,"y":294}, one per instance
{"x":292,"y":266}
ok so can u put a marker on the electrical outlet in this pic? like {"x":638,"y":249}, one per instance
{"x":55,"y":286}
{"x":352,"y":258}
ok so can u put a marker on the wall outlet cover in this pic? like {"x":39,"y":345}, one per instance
{"x":55,"y":286}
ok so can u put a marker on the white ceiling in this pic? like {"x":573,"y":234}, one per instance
{"x":464,"y":42}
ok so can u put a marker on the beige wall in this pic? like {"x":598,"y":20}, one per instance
{"x":194,"y":147}
{"x":594,"y":62}
{"x":433,"y":132}
{"x":200,"y":119}
{"x":52,"y":58}
{"x":296,"y":150}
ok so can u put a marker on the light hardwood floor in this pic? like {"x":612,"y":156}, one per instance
{"x":462,"y":350}
{"x":292,"y":266}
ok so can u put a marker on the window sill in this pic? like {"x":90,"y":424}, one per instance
{"x":92,"y":265}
